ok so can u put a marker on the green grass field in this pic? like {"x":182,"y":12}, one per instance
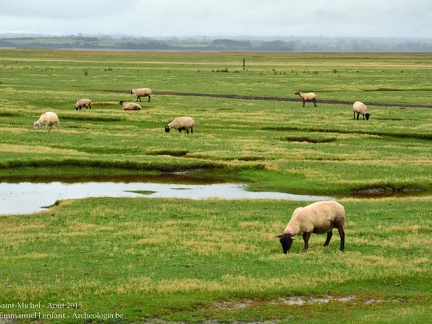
{"x":140,"y":259}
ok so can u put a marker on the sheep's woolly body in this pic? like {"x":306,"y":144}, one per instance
{"x":130,"y":105}
{"x":316,"y":218}
{"x":142,"y":92}
{"x":83,"y":103}
{"x":310,"y":97}
{"x":181,"y":123}
{"x":320,"y":217}
{"x":360,"y":108}
{"x":47,"y":120}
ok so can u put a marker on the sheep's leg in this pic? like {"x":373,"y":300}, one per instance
{"x":191,"y":130}
{"x":304,"y":103}
{"x":342,"y":236}
{"x":149,"y":99}
{"x":314,"y":102}
{"x":138,"y":97}
{"x":306,"y":237}
{"x":329,"y":236}
{"x":358,"y":115}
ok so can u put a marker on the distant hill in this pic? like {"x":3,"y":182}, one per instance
{"x":240,"y":43}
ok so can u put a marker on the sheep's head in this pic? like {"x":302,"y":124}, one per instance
{"x":367,"y":116}
{"x":36,"y":125}
{"x":286,"y":241}
{"x":167,"y":128}
{"x":121,"y":102}
{"x":131,"y":92}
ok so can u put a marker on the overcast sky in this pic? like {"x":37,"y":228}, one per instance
{"x":154,"y":18}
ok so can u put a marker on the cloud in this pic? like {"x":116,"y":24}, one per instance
{"x":61,"y":10}
{"x":222,"y":17}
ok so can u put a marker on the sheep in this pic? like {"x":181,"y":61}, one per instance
{"x":142,"y":92}
{"x":320,"y":217}
{"x":307,"y":97}
{"x":129,"y":105}
{"x":181,"y":123}
{"x":47,"y":120}
{"x":360,"y":108}
{"x":83,"y":103}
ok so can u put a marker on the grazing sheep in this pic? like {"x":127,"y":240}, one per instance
{"x":360,"y":108}
{"x":320,"y":217}
{"x":181,"y":123}
{"x":129,"y":105}
{"x":307,"y":97}
{"x":47,"y":120}
{"x":83,"y":103}
{"x":142,"y":92}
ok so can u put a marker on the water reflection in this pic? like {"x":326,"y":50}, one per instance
{"x":29,"y":197}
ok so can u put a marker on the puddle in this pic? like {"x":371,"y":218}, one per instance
{"x":30,"y":197}
{"x":387,"y":192}
{"x":299,"y":301}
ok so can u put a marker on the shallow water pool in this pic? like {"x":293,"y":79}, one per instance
{"x":28,"y":197}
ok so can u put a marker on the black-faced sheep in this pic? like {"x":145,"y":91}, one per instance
{"x":360,"y":108}
{"x":181,"y":123}
{"x":47,"y":120}
{"x":310,"y":97}
{"x":129,"y":105}
{"x":320,"y":217}
{"x":83,"y":103}
{"x":142,"y":92}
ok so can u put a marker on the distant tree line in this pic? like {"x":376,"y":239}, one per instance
{"x":296,"y":44}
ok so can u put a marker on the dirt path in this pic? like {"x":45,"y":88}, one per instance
{"x":229,"y":96}
{"x":336,"y":102}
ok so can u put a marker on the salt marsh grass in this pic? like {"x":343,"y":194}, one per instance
{"x":179,"y":260}
{"x":207,"y":251}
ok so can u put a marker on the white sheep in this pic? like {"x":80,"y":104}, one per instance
{"x":360,"y":108}
{"x":181,"y":123}
{"x":129,"y":105}
{"x":320,"y":217}
{"x":307,"y":97}
{"x":83,"y":103}
{"x":142,"y":92}
{"x":47,"y":120}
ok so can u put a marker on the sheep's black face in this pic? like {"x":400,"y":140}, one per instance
{"x":286,"y":240}
{"x":367,"y":116}
{"x":167,"y":129}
